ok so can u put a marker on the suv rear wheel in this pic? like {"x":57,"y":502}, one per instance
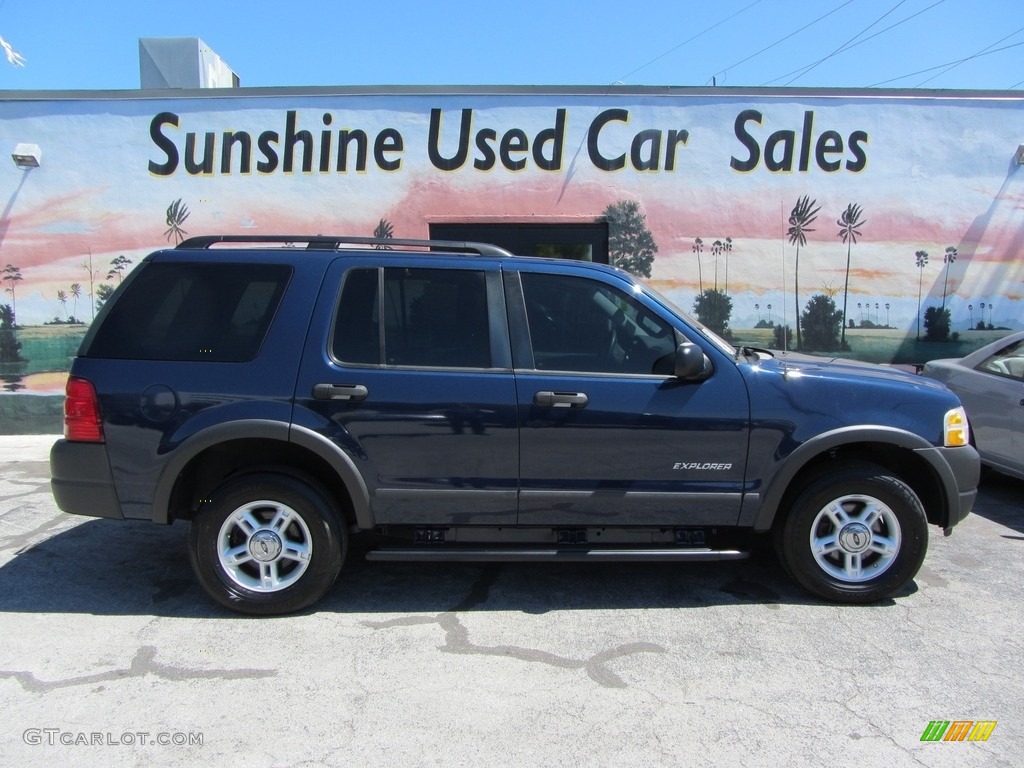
{"x":267,"y":544}
{"x":854,"y":536}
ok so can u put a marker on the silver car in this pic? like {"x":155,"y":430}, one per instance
{"x":990,"y":384}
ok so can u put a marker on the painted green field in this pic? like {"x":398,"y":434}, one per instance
{"x":32,"y":390}
{"x":885,"y":345}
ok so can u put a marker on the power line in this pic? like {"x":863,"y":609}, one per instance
{"x":940,"y":66}
{"x":957,"y":64}
{"x":844,"y":45}
{"x":690,"y":40}
{"x":866,"y":39}
{"x":791,"y":34}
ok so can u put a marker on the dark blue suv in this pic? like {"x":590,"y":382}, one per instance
{"x":284,"y":394}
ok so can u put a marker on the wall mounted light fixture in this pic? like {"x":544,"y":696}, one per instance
{"x":26,"y":156}
{"x":1019,"y":157}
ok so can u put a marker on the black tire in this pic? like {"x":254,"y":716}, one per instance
{"x":858,"y":535}
{"x":267,"y":544}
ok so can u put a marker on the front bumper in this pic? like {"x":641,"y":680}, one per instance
{"x":81,"y":480}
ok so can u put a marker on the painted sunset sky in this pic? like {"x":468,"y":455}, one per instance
{"x":929,"y":173}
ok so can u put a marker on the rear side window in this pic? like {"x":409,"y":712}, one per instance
{"x":433,"y":318}
{"x":214,"y":312}
{"x":357,"y":325}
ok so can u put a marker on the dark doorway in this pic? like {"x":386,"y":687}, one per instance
{"x":583,"y":242}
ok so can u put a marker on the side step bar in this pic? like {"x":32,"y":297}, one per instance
{"x":510,"y":555}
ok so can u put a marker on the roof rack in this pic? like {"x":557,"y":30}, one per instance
{"x":332,"y":243}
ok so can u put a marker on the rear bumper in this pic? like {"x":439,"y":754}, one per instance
{"x":81,"y":480}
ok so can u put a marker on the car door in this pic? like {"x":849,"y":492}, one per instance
{"x":408,"y":370}
{"x":993,"y":393}
{"x":608,"y":435}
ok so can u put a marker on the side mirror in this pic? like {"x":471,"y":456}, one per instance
{"x":691,"y":363}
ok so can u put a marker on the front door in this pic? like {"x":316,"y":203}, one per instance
{"x":609,"y":436}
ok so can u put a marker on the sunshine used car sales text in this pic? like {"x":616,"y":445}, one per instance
{"x":455,"y":143}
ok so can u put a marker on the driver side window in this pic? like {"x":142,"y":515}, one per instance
{"x":1009,"y":361}
{"x":585,"y":326}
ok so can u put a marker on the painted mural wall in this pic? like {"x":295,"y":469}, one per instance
{"x":767,"y":209}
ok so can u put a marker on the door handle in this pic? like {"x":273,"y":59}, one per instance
{"x":340,"y":392}
{"x":561,"y":399}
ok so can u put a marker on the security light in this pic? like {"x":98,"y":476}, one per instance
{"x":27,"y":156}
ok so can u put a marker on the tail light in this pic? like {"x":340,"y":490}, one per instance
{"x":82,"y":412}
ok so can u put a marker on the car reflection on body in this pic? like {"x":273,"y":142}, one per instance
{"x":990,"y":383}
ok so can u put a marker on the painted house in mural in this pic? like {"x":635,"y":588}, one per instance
{"x":881,"y":225}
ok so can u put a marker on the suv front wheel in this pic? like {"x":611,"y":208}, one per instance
{"x":854,"y":536}
{"x":267,"y":544}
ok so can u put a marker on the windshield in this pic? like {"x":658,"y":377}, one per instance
{"x":710,"y":335}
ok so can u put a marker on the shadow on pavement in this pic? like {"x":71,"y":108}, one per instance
{"x":116,"y":568}
{"x":1001,"y":500}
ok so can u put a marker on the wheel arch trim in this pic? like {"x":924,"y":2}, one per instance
{"x":343,"y":466}
{"x":262,"y":429}
{"x":806,"y":452}
{"x":195,"y":444}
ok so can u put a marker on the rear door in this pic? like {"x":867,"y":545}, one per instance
{"x":408,"y":370}
{"x":609,"y":436}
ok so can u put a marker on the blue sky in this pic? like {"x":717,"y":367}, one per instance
{"x":70,"y":44}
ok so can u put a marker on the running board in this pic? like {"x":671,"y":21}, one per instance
{"x":511,"y":555}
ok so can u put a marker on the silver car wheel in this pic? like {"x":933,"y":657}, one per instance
{"x":264,"y":546}
{"x":855,"y":538}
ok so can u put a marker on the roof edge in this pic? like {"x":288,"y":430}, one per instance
{"x":503,"y":90}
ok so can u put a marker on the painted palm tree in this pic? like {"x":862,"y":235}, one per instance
{"x":76,"y":291}
{"x":849,"y":224}
{"x":383,"y":231}
{"x":921,"y":260}
{"x":177,"y":212}
{"x":800,"y":218}
{"x":12,"y":275}
{"x":62,"y":297}
{"x":717,"y":248}
{"x":698,"y":248}
{"x":948,"y":257}
{"x":728,"y":249}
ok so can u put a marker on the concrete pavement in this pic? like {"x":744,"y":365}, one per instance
{"x":110,"y":653}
